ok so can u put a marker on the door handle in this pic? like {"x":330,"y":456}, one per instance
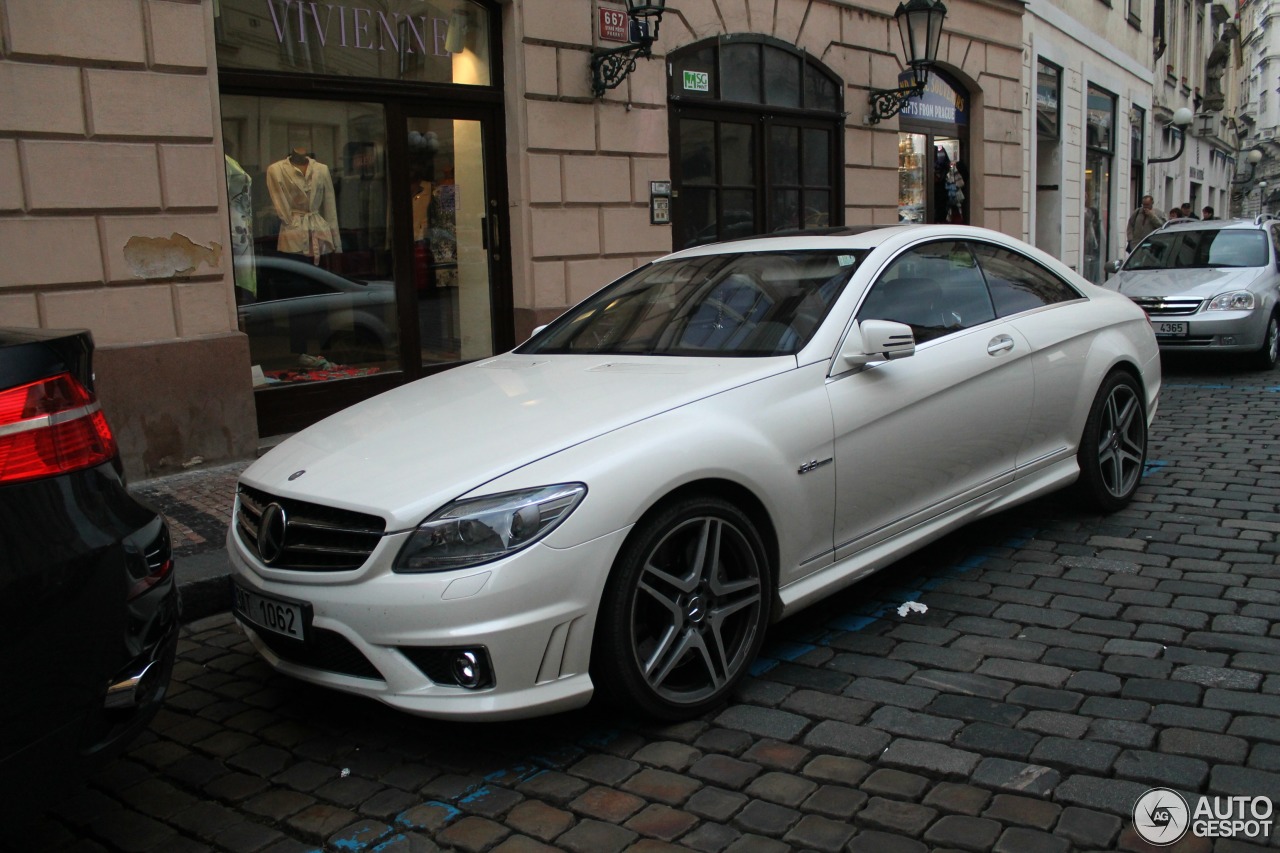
{"x":999,"y":344}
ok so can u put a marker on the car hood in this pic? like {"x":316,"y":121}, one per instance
{"x":1202,"y":283}
{"x":407,"y":452}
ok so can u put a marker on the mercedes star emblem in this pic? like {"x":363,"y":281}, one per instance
{"x":272,"y":529}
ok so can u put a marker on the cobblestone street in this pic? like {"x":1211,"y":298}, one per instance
{"x":1066,"y":664}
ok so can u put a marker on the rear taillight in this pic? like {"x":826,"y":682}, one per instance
{"x":51,"y":427}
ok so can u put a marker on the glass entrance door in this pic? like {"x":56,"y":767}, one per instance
{"x":451,"y":229}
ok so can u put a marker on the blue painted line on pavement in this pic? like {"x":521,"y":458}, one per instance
{"x":861,"y":616}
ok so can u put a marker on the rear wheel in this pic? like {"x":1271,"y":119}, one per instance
{"x":1113,"y":448}
{"x":684,"y":612}
{"x":1267,"y":356}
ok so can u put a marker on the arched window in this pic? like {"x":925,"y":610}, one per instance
{"x":756,"y":129}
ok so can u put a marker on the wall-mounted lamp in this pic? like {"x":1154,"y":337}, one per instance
{"x":1181,"y":119}
{"x":1253,"y":158}
{"x":920,"y":25}
{"x":609,"y":67}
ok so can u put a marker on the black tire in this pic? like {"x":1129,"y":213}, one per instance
{"x":1113,"y":449}
{"x":684,"y":612}
{"x":1267,"y":356}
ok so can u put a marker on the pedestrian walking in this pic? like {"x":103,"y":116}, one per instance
{"x":1143,"y":221}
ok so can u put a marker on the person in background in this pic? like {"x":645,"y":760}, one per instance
{"x":1207,"y":213}
{"x":1143,"y":221}
{"x":1187,"y":212}
{"x":1175,"y":213}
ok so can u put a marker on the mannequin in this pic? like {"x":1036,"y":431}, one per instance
{"x":302,"y":192}
{"x":239,"y":185}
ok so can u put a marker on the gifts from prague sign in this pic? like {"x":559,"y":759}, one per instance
{"x":941,"y":102}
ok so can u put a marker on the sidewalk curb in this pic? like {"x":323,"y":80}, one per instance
{"x":204,"y":598}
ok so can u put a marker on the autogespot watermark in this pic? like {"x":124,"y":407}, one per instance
{"x":1161,"y":816}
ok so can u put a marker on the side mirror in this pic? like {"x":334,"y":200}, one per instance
{"x":1114,"y":266}
{"x":537,"y":331}
{"x":878,"y":340}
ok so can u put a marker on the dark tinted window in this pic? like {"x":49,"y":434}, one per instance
{"x":1018,"y":283}
{"x":935,"y":289}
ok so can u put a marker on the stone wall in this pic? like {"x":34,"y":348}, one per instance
{"x":112,"y":215}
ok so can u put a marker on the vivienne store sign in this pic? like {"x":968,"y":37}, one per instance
{"x":404,"y":39}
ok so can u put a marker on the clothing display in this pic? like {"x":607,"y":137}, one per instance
{"x":239,"y":187}
{"x":302,"y":193}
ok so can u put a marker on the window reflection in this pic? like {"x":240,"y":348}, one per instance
{"x":310,"y":239}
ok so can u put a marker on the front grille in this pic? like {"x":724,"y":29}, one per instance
{"x":326,"y":650}
{"x":1164,"y":306}
{"x":1196,"y":341}
{"x":318,"y":538}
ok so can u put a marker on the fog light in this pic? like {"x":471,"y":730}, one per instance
{"x":1227,"y":340}
{"x":468,"y":671}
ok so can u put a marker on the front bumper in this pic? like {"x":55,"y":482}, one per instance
{"x":533,"y":614}
{"x":75,"y":547}
{"x":1221,"y":331}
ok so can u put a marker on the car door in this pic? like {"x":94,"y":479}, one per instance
{"x":1060,"y":325}
{"x":918,"y":435}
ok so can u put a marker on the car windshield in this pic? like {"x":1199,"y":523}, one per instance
{"x":1199,"y":248}
{"x":759,"y":304}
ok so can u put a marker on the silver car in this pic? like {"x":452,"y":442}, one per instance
{"x":1210,"y":285}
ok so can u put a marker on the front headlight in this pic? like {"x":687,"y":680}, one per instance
{"x":480,"y":530}
{"x":1241,"y":300}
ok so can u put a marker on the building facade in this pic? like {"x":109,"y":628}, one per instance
{"x":268,"y":209}
{"x":1257,"y":87}
{"x":1195,"y":72}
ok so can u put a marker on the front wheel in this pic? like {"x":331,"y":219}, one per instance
{"x":684,"y":612}
{"x":1113,"y":449}
{"x":1267,"y":356}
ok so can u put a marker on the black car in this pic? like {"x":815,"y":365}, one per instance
{"x":88,"y":605}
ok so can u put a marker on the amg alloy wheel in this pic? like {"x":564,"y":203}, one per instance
{"x":685,"y":610}
{"x":1113,"y":449}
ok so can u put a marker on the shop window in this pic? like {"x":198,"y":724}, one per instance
{"x":1048,"y":100}
{"x":755,"y":147}
{"x":933,"y":158}
{"x":312,"y":267}
{"x":1096,"y":219}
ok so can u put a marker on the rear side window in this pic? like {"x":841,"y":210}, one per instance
{"x":1018,"y":283}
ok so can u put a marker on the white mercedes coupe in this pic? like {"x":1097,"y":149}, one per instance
{"x":626,"y":501}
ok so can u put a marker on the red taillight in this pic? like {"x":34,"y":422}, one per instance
{"x":51,"y":427}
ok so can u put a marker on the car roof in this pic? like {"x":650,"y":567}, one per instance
{"x":1260,"y":221}
{"x":854,"y":237}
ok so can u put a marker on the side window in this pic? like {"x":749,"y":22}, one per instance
{"x":935,"y":289}
{"x":1018,"y":283}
